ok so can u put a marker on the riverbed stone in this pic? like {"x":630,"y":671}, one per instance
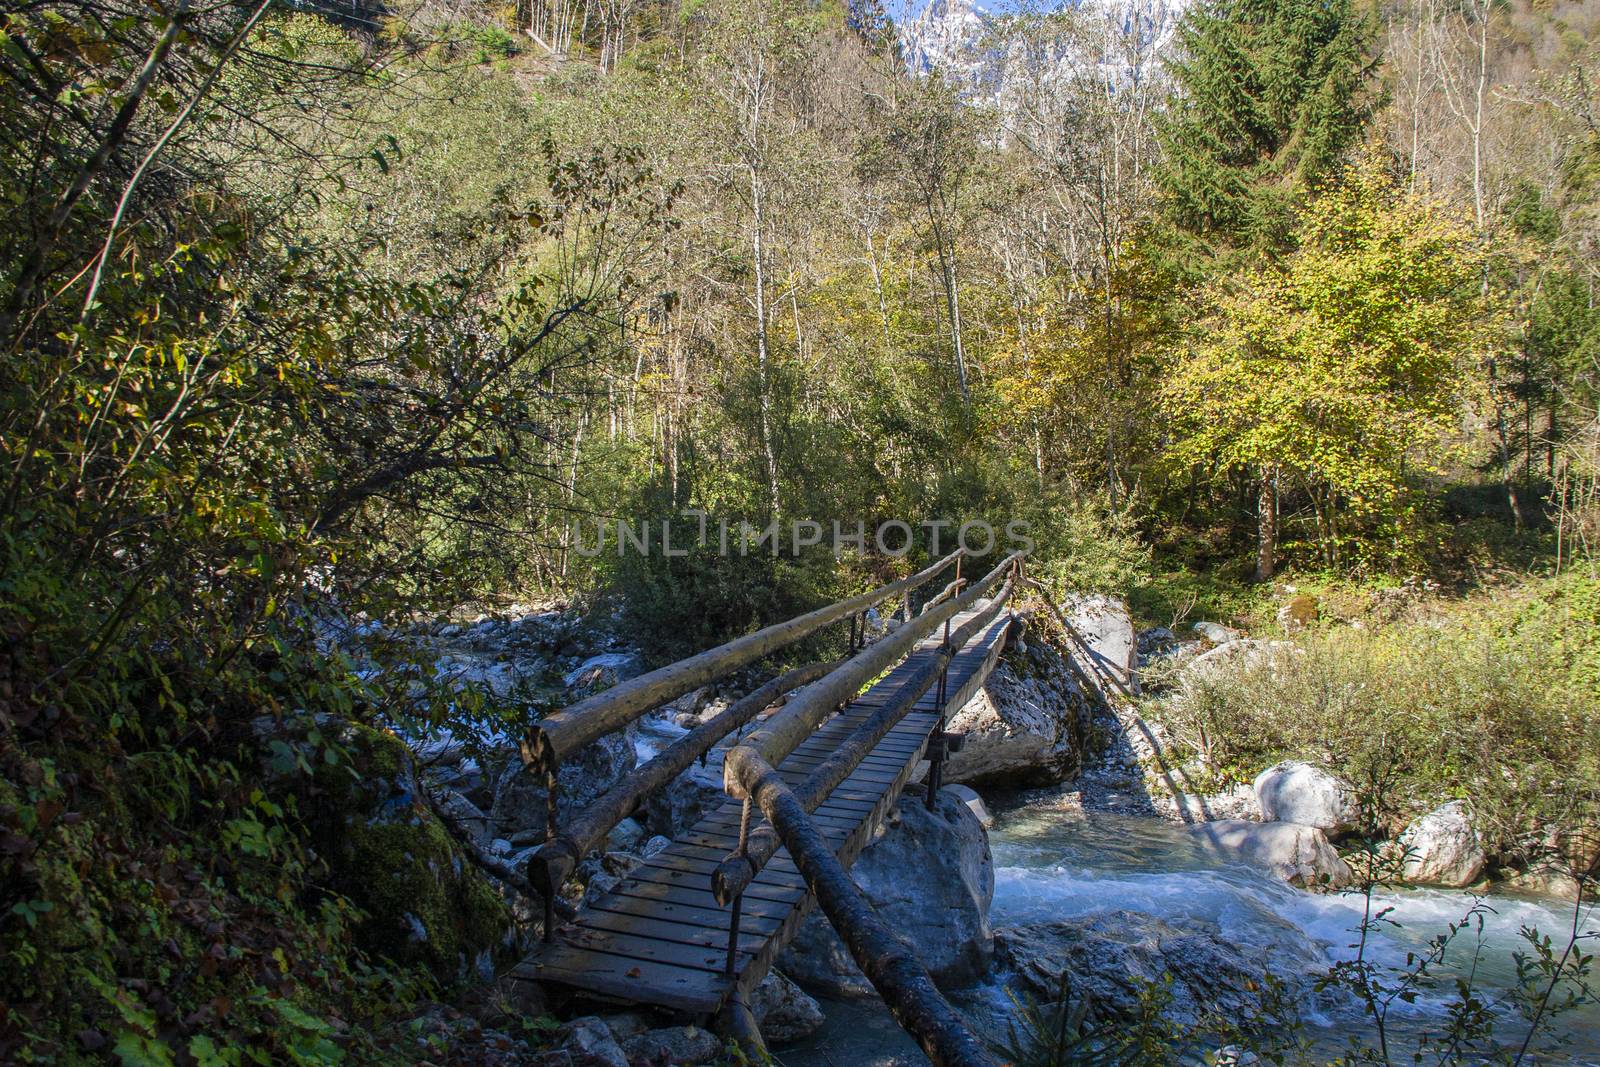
{"x":689,"y":797}
{"x":1216,"y":633}
{"x":672,"y":1046}
{"x":1108,"y":959}
{"x":1156,"y":640}
{"x":1296,"y":792}
{"x":1300,"y":855}
{"x":969,"y":796}
{"x":588,"y":1042}
{"x":783,"y":1010}
{"x":604,"y":671}
{"x":930,"y":877}
{"x":1442,"y":848}
{"x":519,"y":798}
{"x":1106,"y":627}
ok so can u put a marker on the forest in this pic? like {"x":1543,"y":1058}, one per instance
{"x":325,"y":323}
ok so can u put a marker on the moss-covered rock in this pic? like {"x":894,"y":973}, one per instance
{"x":388,"y":853}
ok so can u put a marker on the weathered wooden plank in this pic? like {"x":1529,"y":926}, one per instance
{"x":698,"y":851}
{"x":648,"y":946}
{"x":640,"y":981}
{"x":777,"y":892}
{"x":712,"y":918}
{"x":683,"y":868}
{"x":751,"y":939}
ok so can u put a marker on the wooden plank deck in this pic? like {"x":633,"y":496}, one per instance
{"x":660,"y":938}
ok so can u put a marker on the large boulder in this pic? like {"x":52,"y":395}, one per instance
{"x":969,"y":796}
{"x":1025,"y":726}
{"x":930,"y":876}
{"x":1298,"y":613}
{"x":1217,"y":633}
{"x":689,"y":797}
{"x":604,"y":671}
{"x":421,"y":900}
{"x":1106,"y":627}
{"x":672,"y":1046}
{"x":519,"y":796}
{"x":1300,"y":855}
{"x":588,"y":1042}
{"x":1108,"y":959}
{"x":1442,"y":848}
{"x":1297,"y":792}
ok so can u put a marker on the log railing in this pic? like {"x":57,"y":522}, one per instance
{"x":555,"y":738}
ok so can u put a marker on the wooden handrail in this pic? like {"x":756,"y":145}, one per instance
{"x":557,"y":736}
{"x":735,"y":873}
{"x":942,"y":595}
{"x":783,"y":732}
{"x":554,"y":860}
{"x":889,"y":964}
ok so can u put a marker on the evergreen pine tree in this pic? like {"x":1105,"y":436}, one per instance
{"x":1271,"y":95}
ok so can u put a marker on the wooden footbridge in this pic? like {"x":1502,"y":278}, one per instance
{"x":698,"y":925}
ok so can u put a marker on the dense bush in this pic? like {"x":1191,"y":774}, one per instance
{"x":1493,"y":702}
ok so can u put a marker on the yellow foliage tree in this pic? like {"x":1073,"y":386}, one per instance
{"x":1333,"y":370}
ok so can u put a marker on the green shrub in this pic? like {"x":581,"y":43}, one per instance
{"x":1494,"y":704}
{"x":676,"y":605}
{"x":1084,"y":546}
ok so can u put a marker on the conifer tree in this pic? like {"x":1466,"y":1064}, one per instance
{"x":1272,"y":95}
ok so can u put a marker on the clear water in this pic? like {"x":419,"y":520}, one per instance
{"x":1051,"y":864}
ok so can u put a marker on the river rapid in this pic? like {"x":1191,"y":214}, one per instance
{"x":1055,"y":863}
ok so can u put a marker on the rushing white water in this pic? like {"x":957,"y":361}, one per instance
{"x":1052,"y":864}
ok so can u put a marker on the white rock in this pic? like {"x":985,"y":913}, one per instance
{"x":1216,"y":633}
{"x":588,"y":1041}
{"x":1300,"y":855}
{"x":969,"y":796}
{"x":930,"y":876}
{"x":604,"y":670}
{"x":783,"y":1011}
{"x":1025,"y":725}
{"x":1106,"y":626}
{"x":681,"y":1046}
{"x":625,"y":835}
{"x":1019,"y":730}
{"x":1442,"y":848}
{"x":1298,"y":792}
